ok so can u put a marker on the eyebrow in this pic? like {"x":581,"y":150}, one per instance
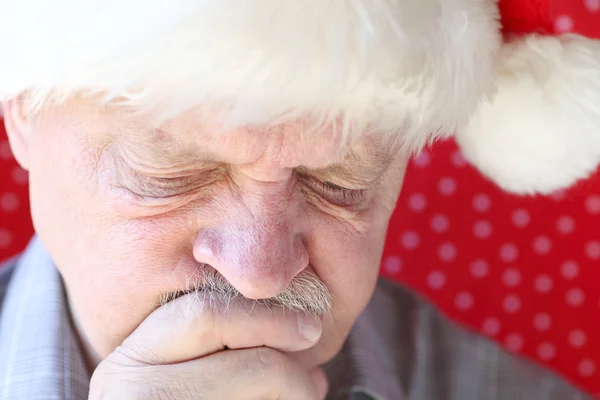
{"x":358,"y":169}
{"x":164,"y":149}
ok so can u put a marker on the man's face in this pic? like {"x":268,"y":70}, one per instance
{"x":130,"y":212}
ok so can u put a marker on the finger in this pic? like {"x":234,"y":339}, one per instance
{"x":258,"y":373}
{"x":194,"y":326}
{"x":320,"y":383}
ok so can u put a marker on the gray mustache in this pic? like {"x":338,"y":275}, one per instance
{"x":306,"y":293}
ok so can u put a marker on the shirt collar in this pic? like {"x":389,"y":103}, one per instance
{"x":41,"y":358}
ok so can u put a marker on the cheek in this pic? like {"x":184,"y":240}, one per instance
{"x":347,"y":259}
{"x":118,"y":278}
{"x":56,"y":193}
{"x":114,"y":269}
{"x":348,"y":253}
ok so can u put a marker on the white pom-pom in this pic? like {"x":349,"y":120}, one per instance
{"x":540,"y":132}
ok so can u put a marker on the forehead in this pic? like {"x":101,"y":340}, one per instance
{"x":194,"y":136}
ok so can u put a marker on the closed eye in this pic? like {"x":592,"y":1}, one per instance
{"x":336,"y":194}
{"x":156,"y":187}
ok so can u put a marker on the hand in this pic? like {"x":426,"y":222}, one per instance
{"x":189,"y":349}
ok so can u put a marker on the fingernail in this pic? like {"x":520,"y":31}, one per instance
{"x":310,"y":327}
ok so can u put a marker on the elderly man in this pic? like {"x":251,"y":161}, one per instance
{"x":211,"y":183}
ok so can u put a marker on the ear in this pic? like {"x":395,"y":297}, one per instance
{"x":18,"y":129}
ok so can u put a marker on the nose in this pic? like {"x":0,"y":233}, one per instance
{"x":258,"y":256}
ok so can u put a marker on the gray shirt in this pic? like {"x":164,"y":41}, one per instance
{"x":401,"y":348}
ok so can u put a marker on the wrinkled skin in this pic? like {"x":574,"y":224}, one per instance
{"x":252,"y":203}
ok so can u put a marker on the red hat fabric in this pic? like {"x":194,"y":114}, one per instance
{"x":525,"y":16}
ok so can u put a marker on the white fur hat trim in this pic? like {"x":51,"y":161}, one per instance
{"x":540,"y":132}
{"x":418,"y":67}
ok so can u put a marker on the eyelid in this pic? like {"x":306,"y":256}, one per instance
{"x":333,"y":188}
{"x":335,"y":184}
{"x":166,"y":187}
{"x":334,"y":193}
{"x":175,"y":181}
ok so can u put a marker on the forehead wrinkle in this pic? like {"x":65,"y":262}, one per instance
{"x":189,"y":139}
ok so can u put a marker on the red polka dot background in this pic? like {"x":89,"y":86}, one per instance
{"x":15,"y":222}
{"x":524,"y":272}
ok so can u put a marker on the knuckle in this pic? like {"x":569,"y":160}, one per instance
{"x":169,"y":392}
{"x":270,"y":363}
{"x":133,"y":353}
{"x":112,"y":381}
{"x":278,"y":374}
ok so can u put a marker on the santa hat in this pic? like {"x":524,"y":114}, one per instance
{"x":540,"y":131}
{"x":525,"y":110}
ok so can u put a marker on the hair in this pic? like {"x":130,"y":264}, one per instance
{"x":306,"y":293}
{"x":414,"y":69}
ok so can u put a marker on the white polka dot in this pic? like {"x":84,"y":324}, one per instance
{"x":592,"y":204}
{"x":565,"y":225}
{"x":520,"y":218}
{"x":511,"y":304}
{"x":546,"y":351}
{"x":509,"y":252}
{"x":447,"y":186}
{"x":457,"y":159}
{"x":575,"y":297}
{"x":436,"y":280}
{"x":482,"y":229}
{"x":490,"y":326}
{"x":577,"y":338}
{"x":423,"y":159}
{"x":5,"y":153}
{"x":440,"y":223}
{"x":481,"y":203}
{"x":542,"y":322}
{"x":464,"y":301}
{"x":543,"y":283}
{"x":417,"y":202}
{"x":592,"y":5}
{"x":511,"y":277}
{"x":563,"y":24}
{"x":447,"y":252}
{"x":19,"y":176}
{"x":586,"y":368}
{"x":9,"y":202}
{"x":392,"y":265}
{"x":542,"y":245}
{"x":410,"y":240}
{"x":514,"y":342}
{"x":592,"y":250}
{"x":6,"y":238}
{"x":569,"y":269}
{"x":479,"y":268}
